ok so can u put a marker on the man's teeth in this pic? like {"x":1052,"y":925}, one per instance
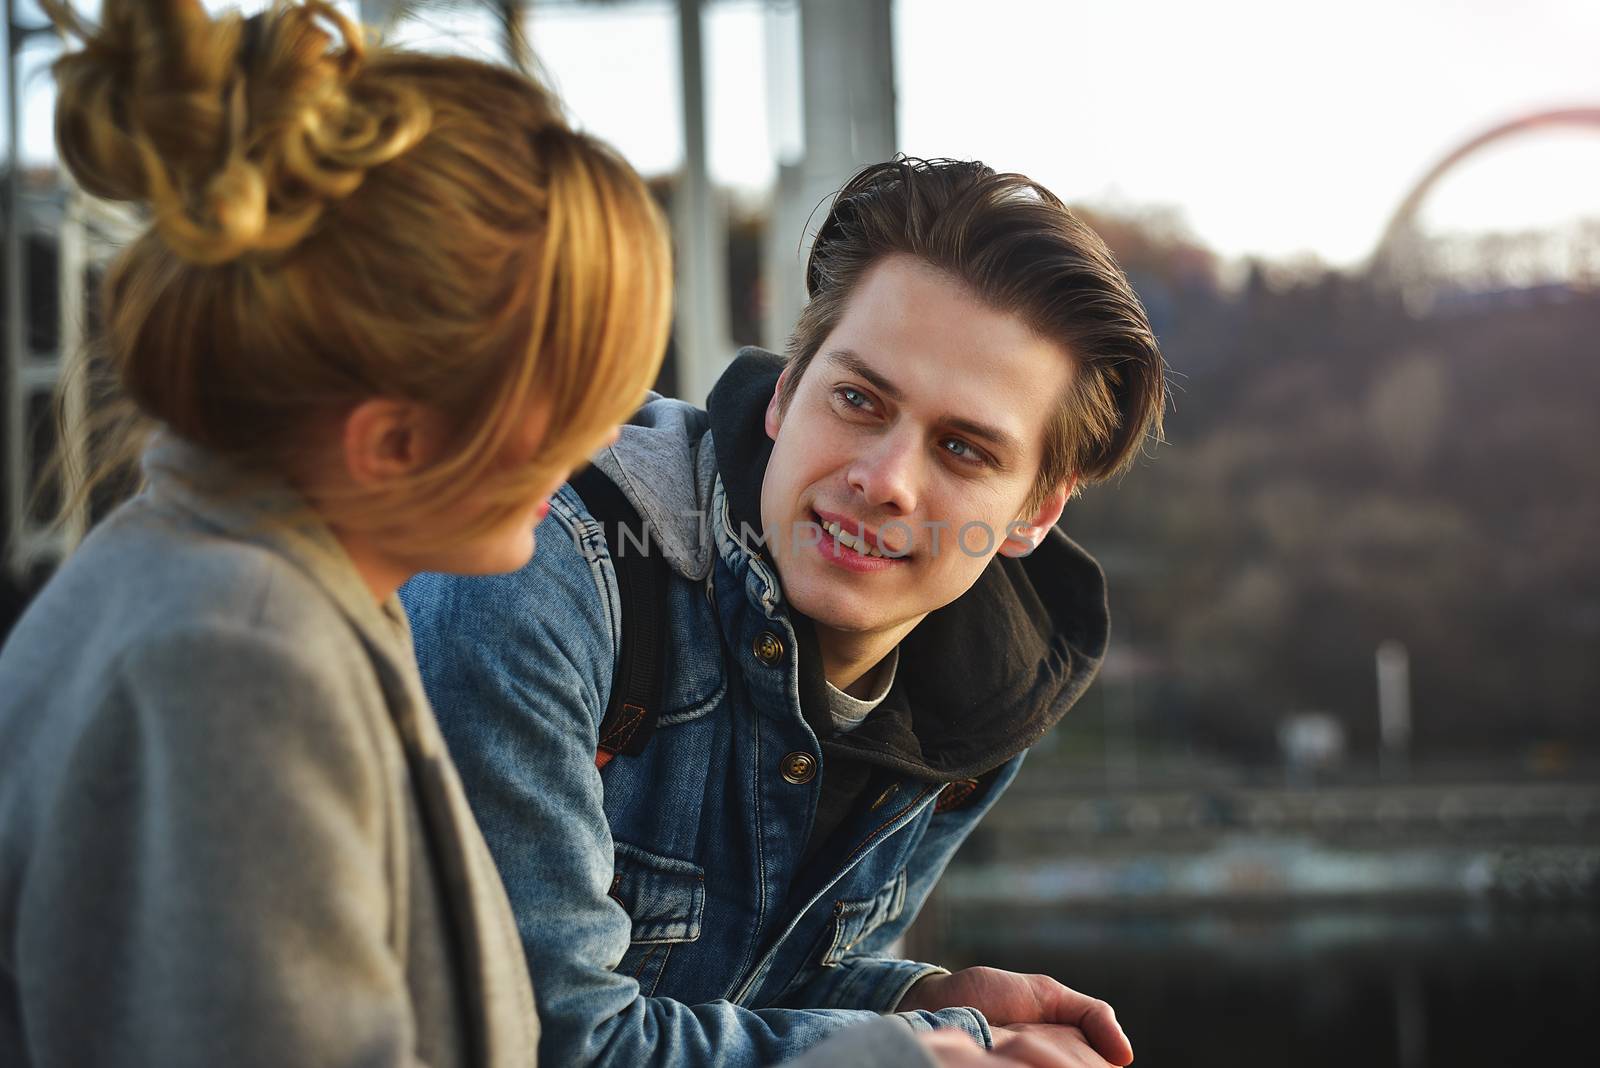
{"x":851,"y":541}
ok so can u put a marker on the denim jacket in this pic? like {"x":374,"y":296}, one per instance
{"x":669,"y":903}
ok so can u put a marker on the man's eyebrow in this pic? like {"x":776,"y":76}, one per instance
{"x":855,"y":365}
{"x":999,"y":439}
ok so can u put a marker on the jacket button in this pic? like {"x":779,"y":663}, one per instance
{"x":799,"y":768}
{"x":768,"y":649}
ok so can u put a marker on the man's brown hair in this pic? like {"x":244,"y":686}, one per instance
{"x":1018,"y":248}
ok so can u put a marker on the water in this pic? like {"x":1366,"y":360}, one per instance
{"x":1378,"y":987}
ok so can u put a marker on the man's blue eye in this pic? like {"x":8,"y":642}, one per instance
{"x":853,"y":397}
{"x":961,"y":450}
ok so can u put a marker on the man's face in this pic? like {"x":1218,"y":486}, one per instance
{"x":920,"y":423}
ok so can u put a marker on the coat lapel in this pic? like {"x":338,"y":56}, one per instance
{"x":499,"y":1014}
{"x":499,"y":1004}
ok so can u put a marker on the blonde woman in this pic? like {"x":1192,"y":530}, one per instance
{"x":384,"y":305}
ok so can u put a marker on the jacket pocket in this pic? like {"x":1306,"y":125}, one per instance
{"x":855,"y":920}
{"x":665,"y":898}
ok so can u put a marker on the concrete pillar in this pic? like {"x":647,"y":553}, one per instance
{"x":25,"y":376}
{"x":700,"y":230}
{"x":847,"y":89}
{"x":1394,"y":709}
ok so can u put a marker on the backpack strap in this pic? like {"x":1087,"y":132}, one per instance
{"x":641,"y":572}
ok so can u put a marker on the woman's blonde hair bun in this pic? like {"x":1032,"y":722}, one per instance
{"x":236,"y":132}
{"x":493,"y":260}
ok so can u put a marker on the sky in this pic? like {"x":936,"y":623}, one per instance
{"x":1276,"y":129}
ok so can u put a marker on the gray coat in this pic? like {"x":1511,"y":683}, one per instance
{"x":229,"y":831}
{"x":882,"y":1043}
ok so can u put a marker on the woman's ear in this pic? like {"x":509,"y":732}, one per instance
{"x":774,"y":416}
{"x":1025,"y":533}
{"x":385,"y":439}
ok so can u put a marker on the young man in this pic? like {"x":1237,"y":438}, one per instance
{"x":869,"y":617}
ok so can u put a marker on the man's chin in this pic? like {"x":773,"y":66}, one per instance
{"x":826,"y":608}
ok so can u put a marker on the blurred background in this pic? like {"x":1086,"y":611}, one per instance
{"x":1335,"y":798}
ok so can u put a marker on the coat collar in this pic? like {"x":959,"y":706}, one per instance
{"x":260,"y":508}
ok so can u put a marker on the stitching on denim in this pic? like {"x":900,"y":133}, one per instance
{"x":645,"y":960}
{"x":740,"y":982}
{"x":697,"y":710}
{"x":658,"y":861}
{"x":955,"y":794}
{"x":767,"y":592}
{"x":834,"y":953}
{"x":589,"y":538}
{"x":893,"y":898}
{"x":619,"y":735}
{"x":876,"y":830}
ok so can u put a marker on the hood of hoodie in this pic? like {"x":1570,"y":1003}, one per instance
{"x":664,"y":463}
{"x":980,"y":680}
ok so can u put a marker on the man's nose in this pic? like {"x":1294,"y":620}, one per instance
{"x":886,"y":473}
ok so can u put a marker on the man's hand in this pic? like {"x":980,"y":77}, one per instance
{"x":1009,"y":1001}
{"x":957,"y":1049}
{"x":1056,"y":1045}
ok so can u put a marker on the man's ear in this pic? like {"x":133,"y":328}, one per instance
{"x":774,"y":416}
{"x":1024,"y":535}
{"x":386,"y":439}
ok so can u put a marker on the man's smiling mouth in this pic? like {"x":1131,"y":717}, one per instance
{"x":858,"y":540}
{"x":850,"y":541}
